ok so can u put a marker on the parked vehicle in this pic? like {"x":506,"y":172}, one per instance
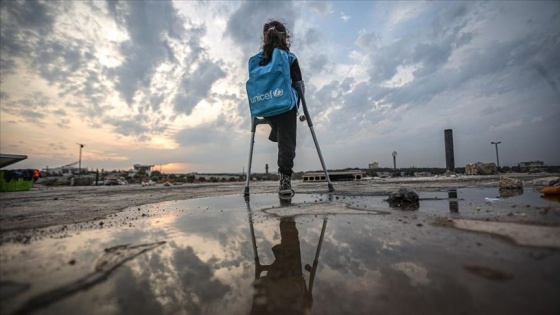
{"x":110,"y":182}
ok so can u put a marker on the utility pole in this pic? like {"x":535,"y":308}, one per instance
{"x":80,"y":160}
{"x":394,"y":160}
{"x":497,"y":155}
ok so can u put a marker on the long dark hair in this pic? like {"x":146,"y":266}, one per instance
{"x":275,"y":35}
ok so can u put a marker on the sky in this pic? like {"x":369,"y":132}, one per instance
{"x":163,"y":82}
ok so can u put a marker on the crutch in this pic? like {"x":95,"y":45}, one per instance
{"x":254,"y":123}
{"x":313,"y":269}
{"x":299,"y":89}
{"x":258,"y":267}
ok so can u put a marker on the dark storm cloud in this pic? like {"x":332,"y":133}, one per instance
{"x":92,"y":113}
{"x":245,"y":24}
{"x":134,"y":293}
{"x":215,"y":133}
{"x":312,"y":36}
{"x":32,"y":108}
{"x":197,"y":280}
{"x":196,"y":51}
{"x":7,"y":66}
{"x":196,"y":86}
{"x":27,"y":35}
{"x":429,"y":49}
{"x":385,"y":60}
{"x":23,"y":21}
{"x":57,"y":61}
{"x":431,"y":55}
{"x":149,"y":25}
{"x":317,"y":63}
{"x":133,"y":126}
{"x":358,"y":99}
{"x":70,"y":63}
{"x":326,"y":97}
{"x":506,"y":60}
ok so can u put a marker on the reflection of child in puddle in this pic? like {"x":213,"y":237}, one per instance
{"x":283,"y":289}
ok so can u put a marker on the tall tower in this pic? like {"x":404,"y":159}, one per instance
{"x":449,"y":153}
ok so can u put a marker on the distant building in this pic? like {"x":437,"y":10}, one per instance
{"x":373,"y":166}
{"x":479,"y":168}
{"x":531,"y":166}
{"x":217,"y":177}
{"x":333,"y":176}
{"x":138,"y":167}
{"x":66,"y":170}
{"x":147,"y":168}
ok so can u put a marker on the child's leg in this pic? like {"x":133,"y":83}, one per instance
{"x":286,"y":128}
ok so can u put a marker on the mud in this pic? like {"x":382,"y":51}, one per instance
{"x":204,"y":249}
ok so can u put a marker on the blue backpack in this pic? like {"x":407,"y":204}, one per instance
{"x":269,"y":87}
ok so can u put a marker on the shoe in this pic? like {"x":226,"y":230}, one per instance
{"x":285,"y":200}
{"x":285,"y":185}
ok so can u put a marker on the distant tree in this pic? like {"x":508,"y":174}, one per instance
{"x":140,"y":173}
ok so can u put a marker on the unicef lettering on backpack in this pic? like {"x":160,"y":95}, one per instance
{"x":266,"y":96}
{"x":267,"y":85}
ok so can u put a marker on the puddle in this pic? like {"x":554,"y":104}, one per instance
{"x":321,"y":254}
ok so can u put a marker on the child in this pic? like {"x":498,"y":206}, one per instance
{"x":275,"y":35}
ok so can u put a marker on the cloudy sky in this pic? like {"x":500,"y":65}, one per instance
{"x":163,"y":83}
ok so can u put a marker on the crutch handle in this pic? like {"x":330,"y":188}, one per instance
{"x":257,"y":121}
{"x":300,"y":89}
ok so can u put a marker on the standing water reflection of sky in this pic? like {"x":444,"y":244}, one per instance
{"x":225,"y":256}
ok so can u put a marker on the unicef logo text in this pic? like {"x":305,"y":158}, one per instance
{"x":266,"y":96}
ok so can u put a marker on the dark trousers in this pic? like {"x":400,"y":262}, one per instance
{"x":284,"y":131}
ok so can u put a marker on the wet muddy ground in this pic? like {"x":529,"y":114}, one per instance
{"x":465,"y":250}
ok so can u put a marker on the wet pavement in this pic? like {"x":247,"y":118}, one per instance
{"x":318,"y":254}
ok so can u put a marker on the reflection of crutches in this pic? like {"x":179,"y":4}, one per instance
{"x":313,"y":270}
{"x":298,"y":86}
{"x":258,"y":267}
{"x":307,"y":296}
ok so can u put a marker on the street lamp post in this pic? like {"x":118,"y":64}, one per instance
{"x":497,"y":155}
